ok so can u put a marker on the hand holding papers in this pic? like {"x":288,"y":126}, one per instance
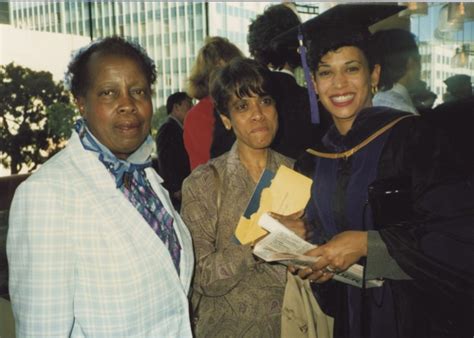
{"x":286,"y":247}
{"x":281,"y":244}
{"x":285,"y":193}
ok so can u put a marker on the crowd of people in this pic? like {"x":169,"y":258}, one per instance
{"x":100,"y":243}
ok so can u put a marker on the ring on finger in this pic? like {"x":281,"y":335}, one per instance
{"x":330,"y":269}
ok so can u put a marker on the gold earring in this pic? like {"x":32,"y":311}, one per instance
{"x":374,"y":90}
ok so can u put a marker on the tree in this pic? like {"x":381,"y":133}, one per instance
{"x":27,"y":137}
{"x":61,"y":117}
{"x":159,"y":117}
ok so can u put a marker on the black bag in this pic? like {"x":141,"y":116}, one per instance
{"x":391,"y":201}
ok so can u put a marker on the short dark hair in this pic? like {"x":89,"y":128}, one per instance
{"x":241,"y":77}
{"x":393,"y":48}
{"x":274,"y":21}
{"x":359,"y":39}
{"x":175,"y":98}
{"x":77,"y":75}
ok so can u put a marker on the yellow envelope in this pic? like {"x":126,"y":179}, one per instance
{"x":288,"y":193}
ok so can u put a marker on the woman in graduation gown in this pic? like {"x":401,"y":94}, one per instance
{"x":379,"y":198}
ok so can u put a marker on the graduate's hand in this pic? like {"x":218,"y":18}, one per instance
{"x":294,"y":222}
{"x":338,"y":254}
{"x":318,"y":276}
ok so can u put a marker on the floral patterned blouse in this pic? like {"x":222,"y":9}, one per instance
{"x":236,"y":296}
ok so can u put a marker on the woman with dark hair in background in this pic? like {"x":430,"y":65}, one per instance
{"x":296,"y":133}
{"x":235,"y":294}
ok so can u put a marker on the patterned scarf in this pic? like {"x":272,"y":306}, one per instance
{"x":131,"y":179}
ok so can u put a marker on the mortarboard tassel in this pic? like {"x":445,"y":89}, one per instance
{"x":309,"y":83}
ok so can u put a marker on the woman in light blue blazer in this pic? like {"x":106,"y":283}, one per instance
{"x":94,"y":246}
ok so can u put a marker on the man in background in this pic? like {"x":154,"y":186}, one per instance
{"x":173,"y":162}
{"x":458,"y":87}
{"x":400,"y":62}
{"x":456,"y":118}
{"x":423,"y":98}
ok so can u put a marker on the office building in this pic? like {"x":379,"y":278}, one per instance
{"x":171,"y":32}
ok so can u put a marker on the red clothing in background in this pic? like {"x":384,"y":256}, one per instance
{"x":198,"y":129}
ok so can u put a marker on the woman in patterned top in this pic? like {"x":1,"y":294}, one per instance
{"x":236,"y":295}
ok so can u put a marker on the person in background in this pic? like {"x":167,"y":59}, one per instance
{"x":235,"y":294}
{"x":423,"y":98}
{"x":173,"y":161}
{"x":400,"y":73}
{"x":456,"y":119}
{"x":458,"y":87}
{"x":94,"y":245}
{"x":199,"y":123}
{"x":296,"y":133}
{"x":381,"y":179}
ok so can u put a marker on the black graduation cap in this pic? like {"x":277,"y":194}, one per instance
{"x":338,"y":26}
{"x":341,"y":21}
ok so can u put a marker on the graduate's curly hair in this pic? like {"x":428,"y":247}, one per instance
{"x":328,"y":43}
{"x":77,"y":75}
{"x":274,"y":21}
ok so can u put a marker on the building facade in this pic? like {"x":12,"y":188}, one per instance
{"x":437,"y":65}
{"x":439,"y":42}
{"x":171,"y":32}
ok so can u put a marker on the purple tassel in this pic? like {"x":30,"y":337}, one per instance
{"x":312,"y":94}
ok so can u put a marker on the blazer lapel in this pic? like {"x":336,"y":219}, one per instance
{"x":114,"y":205}
{"x":182,"y":231}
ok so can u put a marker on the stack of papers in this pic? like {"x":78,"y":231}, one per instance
{"x":284,"y":246}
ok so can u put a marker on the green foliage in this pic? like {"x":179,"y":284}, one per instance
{"x":27,"y":138}
{"x":61,"y":117}
{"x":159,"y":117}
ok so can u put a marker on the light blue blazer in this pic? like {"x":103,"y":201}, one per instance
{"x":84,"y":262}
